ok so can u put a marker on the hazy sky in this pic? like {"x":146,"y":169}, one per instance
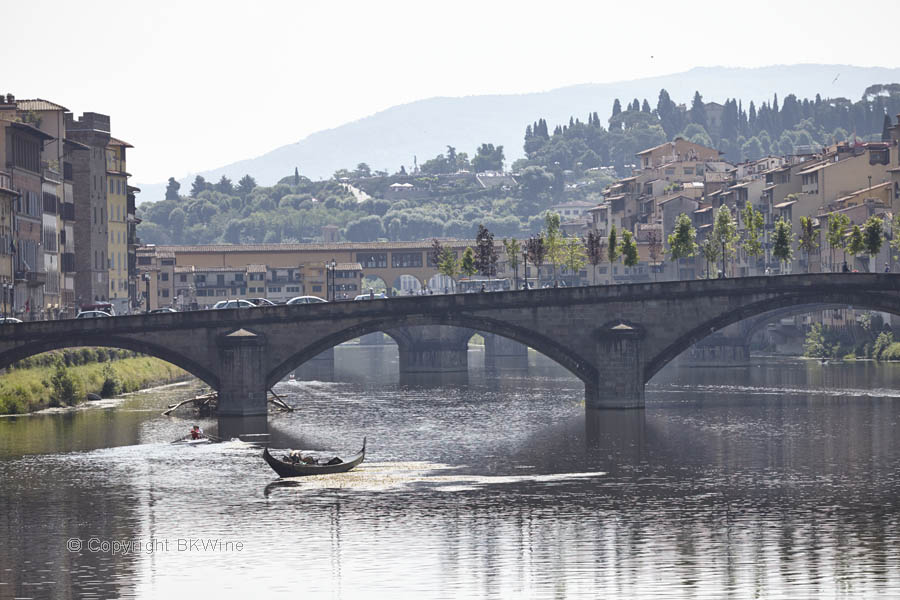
{"x":195,"y":85}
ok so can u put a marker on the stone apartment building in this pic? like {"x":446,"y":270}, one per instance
{"x":91,"y":208}
{"x":117,"y":223}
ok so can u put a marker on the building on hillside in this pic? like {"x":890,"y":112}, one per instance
{"x":91,"y":217}
{"x":678,"y":150}
{"x":117,"y":224}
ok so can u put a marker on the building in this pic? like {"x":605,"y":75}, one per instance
{"x":677,"y":150}
{"x":90,"y":186}
{"x":117,"y":226}
{"x":8,"y":198}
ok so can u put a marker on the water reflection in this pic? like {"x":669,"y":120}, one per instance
{"x":777,"y":480}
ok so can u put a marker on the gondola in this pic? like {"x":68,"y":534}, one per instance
{"x":286,"y":468}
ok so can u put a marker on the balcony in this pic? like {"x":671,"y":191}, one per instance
{"x":32,"y":278}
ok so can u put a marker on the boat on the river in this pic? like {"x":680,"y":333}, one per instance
{"x":189,"y":442}
{"x":286,"y":467}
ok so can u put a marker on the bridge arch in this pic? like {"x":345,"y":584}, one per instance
{"x":124,"y":343}
{"x":552,"y":349}
{"x":803,"y":302}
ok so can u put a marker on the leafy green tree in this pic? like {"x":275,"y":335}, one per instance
{"x":362,"y":170}
{"x":485,"y":252}
{"x":629,"y":249}
{"x":682,"y":240}
{"x":513,"y":251}
{"x":594,"y":247}
{"x":574,"y":257}
{"x":654,"y":248}
{"x":808,"y":241}
{"x":246,"y":185}
{"x":176,"y":223}
{"x":172,"y":189}
{"x":753,"y":227}
{"x":553,"y":241}
{"x":710,"y":251}
{"x":537,"y":251}
{"x":856,"y":245}
{"x":837,"y":229}
{"x":296,"y":176}
{"x":613,"y":250}
{"x":783,"y":242}
{"x":62,"y":386}
{"x":200,"y":185}
{"x":467,"y":264}
{"x":488,"y":158}
{"x":364,"y":229}
{"x":224,"y":186}
{"x":448,"y":264}
{"x":873,"y":238}
{"x":724,"y":233}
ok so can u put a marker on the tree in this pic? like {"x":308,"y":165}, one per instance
{"x":698,"y":110}
{"x":837,"y":229}
{"x":873,"y":237}
{"x":536,"y":250}
{"x":724,"y":233}
{"x":783,"y":242}
{"x":467,"y":264}
{"x":808,"y":241}
{"x":485,"y":252}
{"x":612,"y":248}
{"x":172,"y":189}
{"x":364,"y":229}
{"x":856,"y":244}
{"x":435,"y":252}
{"x":654,"y":247}
{"x":246,"y":185}
{"x":176,"y":223}
{"x":629,"y":249}
{"x":513,"y":250}
{"x":682,"y":242}
{"x":488,"y":158}
{"x":710,"y":251}
{"x":296,"y":176}
{"x":594,"y":247}
{"x":574,"y":256}
{"x":198,"y":186}
{"x":362,"y":170}
{"x":224,"y":186}
{"x":753,"y":226}
{"x":448,"y":264}
{"x":553,"y":241}
{"x":62,"y":386}
{"x":886,"y":129}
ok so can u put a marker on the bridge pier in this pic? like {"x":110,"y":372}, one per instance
{"x":432,"y":349}
{"x":504,"y":353}
{"x":242,"y":368}
{"x":619,"y":362}
{"x":318,"y":368}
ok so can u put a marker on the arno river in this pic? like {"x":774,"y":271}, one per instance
{"x":778,"y":480}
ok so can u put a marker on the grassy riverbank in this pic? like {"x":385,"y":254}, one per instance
{"x":45,"y":383}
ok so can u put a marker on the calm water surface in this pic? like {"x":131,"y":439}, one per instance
{"x":779,"y":480}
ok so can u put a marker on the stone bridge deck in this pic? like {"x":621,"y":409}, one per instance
{"x":614,"y":338}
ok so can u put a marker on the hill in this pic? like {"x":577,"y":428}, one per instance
{"x":424,"y":128}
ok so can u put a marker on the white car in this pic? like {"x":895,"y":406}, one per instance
{"x":92,"y":314}
{"x":233,"y":304}
{"x":164,"y":309}
{"x":5,"y":320}
{"x":380,"y":296}
{"x":305,"y":300}
{"x":261,"y":302}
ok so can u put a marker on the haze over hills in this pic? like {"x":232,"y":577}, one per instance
{"x":424,"y":128}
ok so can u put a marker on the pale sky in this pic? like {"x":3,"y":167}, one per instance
{"x":194,"y":85}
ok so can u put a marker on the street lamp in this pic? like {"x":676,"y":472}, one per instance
{"x":333,"y":264}
{"x":147,"y":284}
{"x":525,"y":266}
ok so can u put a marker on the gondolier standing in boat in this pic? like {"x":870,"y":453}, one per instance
{"x":196,"y":432}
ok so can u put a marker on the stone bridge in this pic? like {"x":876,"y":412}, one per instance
{"x":613,"y":338}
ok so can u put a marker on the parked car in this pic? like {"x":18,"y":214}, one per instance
{"x":306,"y":300}
{"x":5,"y":320}
{"x":233,"y":304}
{"x":92,"y":314}
{"x":261,"y":302}
{"x":379,"y":296}
{"x":164,"y":309}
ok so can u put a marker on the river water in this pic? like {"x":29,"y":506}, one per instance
{"x":777,"y":480}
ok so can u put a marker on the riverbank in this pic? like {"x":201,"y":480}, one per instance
{"x":34,"y":388}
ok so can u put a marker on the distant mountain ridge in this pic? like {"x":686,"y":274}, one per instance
{"x":392,"y":137}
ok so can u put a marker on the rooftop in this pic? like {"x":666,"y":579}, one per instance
{"x":38,"y":104}
{"x":337,"y":247}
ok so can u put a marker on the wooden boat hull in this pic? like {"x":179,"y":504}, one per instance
{"x":286,"y":469}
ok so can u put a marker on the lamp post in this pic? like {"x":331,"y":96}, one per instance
{"x":147,"y":293}
{"x":525,"y":266}
{"x":332,"y":264}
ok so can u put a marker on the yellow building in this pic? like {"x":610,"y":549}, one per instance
{"x":117,"y":211}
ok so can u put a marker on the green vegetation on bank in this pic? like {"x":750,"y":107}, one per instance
{"x":870,"y":338}
{"x":65,"y":378}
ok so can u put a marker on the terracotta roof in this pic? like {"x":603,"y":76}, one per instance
{"x":117,"y":142}
{"x":39,"y":104}
{"x":813,"y":169}
{"x":256,"y":268}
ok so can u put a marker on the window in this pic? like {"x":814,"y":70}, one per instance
{"x":293,"y":288}
{"x":182,"y":278}
{"x":165,"y":292}
{"x":220,"y":280}
{"x":670,"y":171}
{"x":689,"y":170}
{"x":371,"y":260}
{"x":141,"y":260}
{"x":169,"y":262}
{"x":165,"y":276}
{"x":317,"y":288}
{"x":112,"y":188}
{"x":273,"y":290}
{"x":406,"y":259}
{"x":238,"y":276}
